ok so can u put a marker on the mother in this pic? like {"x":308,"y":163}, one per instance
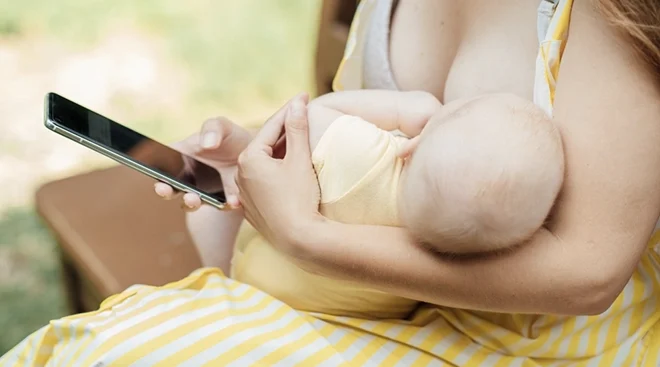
{"x":594,"y":257}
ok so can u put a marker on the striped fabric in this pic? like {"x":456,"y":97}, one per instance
{"x":208,"y":319}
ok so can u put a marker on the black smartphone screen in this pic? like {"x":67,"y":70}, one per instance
{"x":140,"y":148}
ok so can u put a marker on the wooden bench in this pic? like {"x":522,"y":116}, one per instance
{"x":114,"y":232}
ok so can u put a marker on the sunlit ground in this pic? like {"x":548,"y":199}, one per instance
{"x":159,"y":66}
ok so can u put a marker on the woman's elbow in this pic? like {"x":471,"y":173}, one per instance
{"x":593,"y":295}
{"x":592,"y":303}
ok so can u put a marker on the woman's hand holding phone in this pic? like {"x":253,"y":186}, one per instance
{"x":218,"y":144}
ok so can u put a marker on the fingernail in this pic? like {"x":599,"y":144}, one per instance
{"x":233,"y":201}
{"x":303,"y":96}
{"x":210,"y":139}
{"x":297,"y":108}
{"x":158,"y":191}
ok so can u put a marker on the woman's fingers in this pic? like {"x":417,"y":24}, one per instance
{"x":268,"y":136}
{"x":273,"y":129}
{"x":220,"y":141}
{"x":279,"y":149}
{"x":278,"y":193}
{"x":296,"y":128}
{"x":281,"y":113}
{"x":215,"y":132}
{"x":188,"y":145}
{"x":233,"y":201}
{"x":166,"y":191}
{"x":191,"y":202}
{"x":212,"y":133}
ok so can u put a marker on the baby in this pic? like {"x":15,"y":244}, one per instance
{"x":481,"y":179}
{"x":484,"y":174}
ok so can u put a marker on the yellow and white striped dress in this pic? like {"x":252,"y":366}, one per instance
{"x":208,"y":319}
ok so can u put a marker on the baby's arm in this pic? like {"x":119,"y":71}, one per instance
{"x":389,"y":110}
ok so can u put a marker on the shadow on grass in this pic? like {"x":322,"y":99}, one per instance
{"x":31,"y":291}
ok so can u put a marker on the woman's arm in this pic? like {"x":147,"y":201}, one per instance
{"x":213,"y":232}
{"x":608,"y":110}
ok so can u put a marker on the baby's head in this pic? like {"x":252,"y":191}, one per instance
{"x":483,"y":178}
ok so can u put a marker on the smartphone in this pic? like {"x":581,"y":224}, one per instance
{"x":133,"y":149}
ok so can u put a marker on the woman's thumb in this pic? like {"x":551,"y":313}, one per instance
{"x":296,"y":128}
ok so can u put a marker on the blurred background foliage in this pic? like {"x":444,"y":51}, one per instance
{"x":159,"y":66}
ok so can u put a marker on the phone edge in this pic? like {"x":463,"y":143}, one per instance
{"x":75,"y":137}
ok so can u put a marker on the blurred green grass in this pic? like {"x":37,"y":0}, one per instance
{"x":241,"y":57}
{"x":238,"y":51}
{"x":30,"y":290}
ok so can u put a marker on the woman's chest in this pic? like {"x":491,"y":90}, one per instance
{"x":457,"y":49}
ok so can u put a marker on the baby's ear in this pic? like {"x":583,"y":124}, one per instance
{"x":407,"y":148}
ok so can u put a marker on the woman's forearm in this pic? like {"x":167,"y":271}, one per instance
{"x":546,"y":275}
{"x":213,"y":232}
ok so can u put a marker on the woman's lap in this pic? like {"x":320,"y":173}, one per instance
{"x":207,"y":317}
